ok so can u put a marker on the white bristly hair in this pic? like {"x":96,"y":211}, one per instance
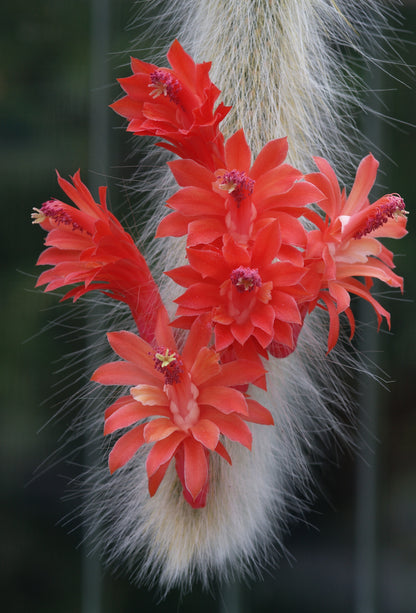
{"x":285,"y":67}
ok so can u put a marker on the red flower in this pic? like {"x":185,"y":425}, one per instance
{"x":176,"y":104}
{"x":190,"y":398}
{"x":248,"y":292}
{"x":238,"y":198}
{"x":87,"y":246}
{"x":345,"y":244}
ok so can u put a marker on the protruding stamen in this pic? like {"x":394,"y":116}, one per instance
{"x":164,"y":84}
{"x":245,"y":279}
{"x":391,"y":206}
{"x":37,"y":216}
{"x":169,"y":364}
{"x":238,"y":184}
{"x":53,"y":210}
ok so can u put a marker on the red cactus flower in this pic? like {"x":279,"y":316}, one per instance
{"x":88,"y":247}
{"x":190,"y":399}
{"x":345,"y":244}
{"x":176,"y":104}
{"x":249,"y":293}
{"x":239,"y":198}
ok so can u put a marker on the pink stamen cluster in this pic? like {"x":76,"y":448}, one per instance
{"x":166,"y":85}
{"x":238,"y":184}
{"x":245,"y":279}
{"x":169,"y":364}
{"x":53,"y":210}
{"x":392,"y":206}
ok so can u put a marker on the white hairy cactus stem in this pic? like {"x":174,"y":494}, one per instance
{"x":279,"y":64}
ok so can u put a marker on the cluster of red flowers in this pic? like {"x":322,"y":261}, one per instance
{"x":253,"y":274}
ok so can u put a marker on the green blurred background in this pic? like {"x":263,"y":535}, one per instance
{"x":45,"y":98}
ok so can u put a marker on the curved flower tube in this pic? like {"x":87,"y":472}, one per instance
{"x":87,"y":246}
{"x":190,"y":398}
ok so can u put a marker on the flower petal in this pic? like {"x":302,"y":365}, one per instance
{"x":128,"y":414}
{"x":205,"y":366}
{"x":159,"y":429}
{"x":207,"y":433}
{"x":119,"y":373}
{"x":156,"y":479}
{"x":225,"y":399}
{"x":273,"y":154}
{"x":258,"y":414}
{"x":125,"y":448}
{"x":149,"y":395}
{"x":221,"y":450}
{"x":237,"y":152}
{"x":132,"y":348}
{"x":162,"y":452}
{"x":198,"y":337}
{"x":238,"y":372}
{"x":364,"y":181}
{"x":232,"y":426}
{"x":195,"y":467}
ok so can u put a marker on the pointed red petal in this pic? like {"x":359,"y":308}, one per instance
{"x":156,"y":479}
{"x":237,"y":152}
{"x":266,"y":245}
{"x":207,"y":433}
{"x":258,"y":414}
{"x":205,"y":366}
{"x":129,"y":414}
{"x":190,"y":173}
{"x":132,"y":348}
{"x":195,"y":467}
{"x":204,"y":231}
{"x":225,"y":399}
{"x":162,"y":452}
{"x":221,"y":450}
{"x":232,"y":426}
{"x":273,"y":154}
{"x":119,"y":373}
{"x":125,"y":448}
{"x":238,"y":372}
{"x":159,"y":429}
{"x":116,"y":405}
{"x":364,"y":181}
{"x":198,"y":337}
{"x":174,"y":224}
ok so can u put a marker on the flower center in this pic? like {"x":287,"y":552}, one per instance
{"x":54,"y":211}
{"x":169,"y":364}
{"x":164,"y":84}
{"x":245,"y":279}
{"x":392,"y":206}
{"x":238,"y":184}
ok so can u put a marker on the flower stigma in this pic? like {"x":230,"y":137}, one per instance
{"x":169,"y":364}
{"x":53,"y":210}
{"x":238,"y":184}
{"x":164,"y":84}
{"x":245,"y":279}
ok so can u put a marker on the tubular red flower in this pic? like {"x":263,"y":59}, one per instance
{"x":249,"y":293}
{"x":88,"y":247}
{"x":190,"y":399}
{"x":345,"y":244}
{"x":176,"y":104}
{"x":239,"y":198}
